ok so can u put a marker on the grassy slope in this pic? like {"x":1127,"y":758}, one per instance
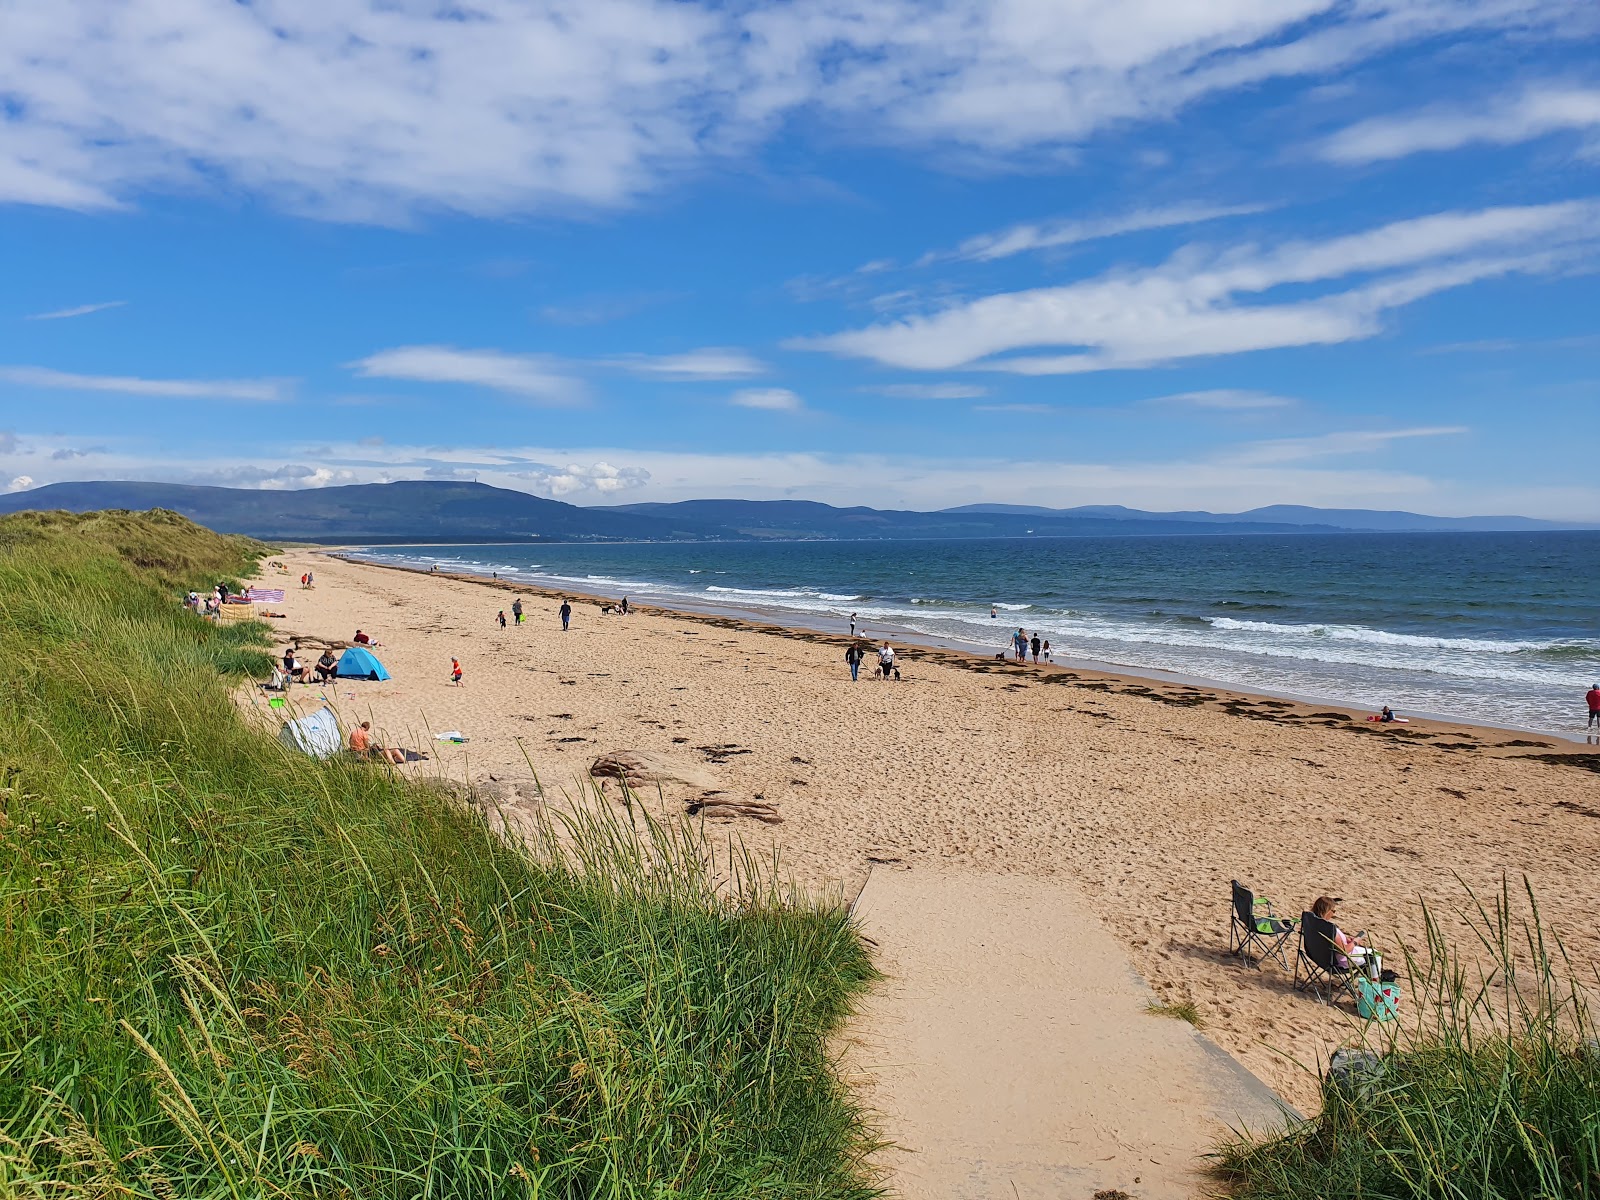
{"x":226,"y":970}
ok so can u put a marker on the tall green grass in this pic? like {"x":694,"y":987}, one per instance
{"x":1491,"y":1092}
{"x":227,"y":970}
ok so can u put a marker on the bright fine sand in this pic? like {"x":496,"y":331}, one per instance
{"x":1136,"y":802}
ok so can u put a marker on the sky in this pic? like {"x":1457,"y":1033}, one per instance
{"x":906,"y":253}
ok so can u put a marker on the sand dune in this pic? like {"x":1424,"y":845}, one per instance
{"x":1150,"y":798}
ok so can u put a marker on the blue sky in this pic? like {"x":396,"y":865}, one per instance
{"x":915,"y":254}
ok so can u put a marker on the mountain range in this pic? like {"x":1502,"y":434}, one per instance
{"x":439,"y":511}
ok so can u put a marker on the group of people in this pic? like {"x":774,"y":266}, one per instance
{"x":208,"y":606}
{"x":1022,"y":645}
{"x":888,"y":668}
{"x":565,"y":612}
{"x":295,"y":671}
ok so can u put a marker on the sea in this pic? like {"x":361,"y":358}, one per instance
{"x":1495,"y":628}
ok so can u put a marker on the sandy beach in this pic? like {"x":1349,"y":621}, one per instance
{"x":1148,"y":798}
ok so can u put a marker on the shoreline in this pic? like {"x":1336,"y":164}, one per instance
{"x":1143,"y":798}
{"x":1097,"y":670}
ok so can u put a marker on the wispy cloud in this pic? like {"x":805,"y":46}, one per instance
{"x":927,"y":391}
{"x":531,"y":107}
{"x":527,"y":376}
{"x":1193,"y":304}
{"x":1329,"y":445}
{"x":1012,"y":408}
{"x":770,"y":399}
{"x":1226,"y":400}
{"x":1045,"y":235}
{"x":707,"y":365}
{"x":1503,"y":122}
{"x":82,"y":310}
{"x":131,"y":385}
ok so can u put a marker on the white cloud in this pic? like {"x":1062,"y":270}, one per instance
{"x":82,"y":310}
{"x":369,"y":110}
{"x":8,"y":442}
{"x":20,"y":483}
{"x":178,"y":389}
{"x":712,"y":363}
{"x":1226,"y":400}
{"x":1044,"y":235}
{"x":928,"y":391}
{"x":599,"y":480}
{"x":529,"y":376}
{"x":1328,"y":445}
{"x":1191,"y":305}
{"x":771,"y":399}
{"x":1506,"y":121}
{"x":1012,"y":408}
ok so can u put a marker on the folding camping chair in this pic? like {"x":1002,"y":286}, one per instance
{"x":1254,"y":927}
{"x":1321,"y":968}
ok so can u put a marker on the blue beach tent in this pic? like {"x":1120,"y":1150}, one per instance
{"x":360,"y":663}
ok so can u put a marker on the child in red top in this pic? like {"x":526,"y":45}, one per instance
{"x":455,"y":672}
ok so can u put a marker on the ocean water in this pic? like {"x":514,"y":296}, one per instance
{"x":1501,"y":628}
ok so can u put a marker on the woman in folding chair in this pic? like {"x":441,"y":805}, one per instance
{"x":1329,"y":957}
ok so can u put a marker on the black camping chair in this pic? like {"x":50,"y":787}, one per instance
{"x":1321,"y":967}
{"x":1254,"y":927}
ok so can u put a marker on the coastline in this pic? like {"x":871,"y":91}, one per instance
{"x":1117,"y":674}
{"x":1144,"y":799}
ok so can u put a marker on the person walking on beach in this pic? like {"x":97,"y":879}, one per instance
{"x":853,"y":656}
{"x":566,"y":614}
{"x":625,"y":609}
{"x":501,"y":617}
{"x":516,"y":609}
{"x":1034,"y":645}
{"x":852,"y":624}
{"x":886,"y":660}
{"x":1047,"y":656}
{"x":455,"y":671}
{"x":1021,"y":641}
{"x":1593,"y":698}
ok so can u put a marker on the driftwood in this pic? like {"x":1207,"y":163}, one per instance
{"x":640,"y":767}
{"x":711,"y":806}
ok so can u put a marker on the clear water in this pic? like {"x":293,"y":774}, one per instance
{"x":1502,"y":628}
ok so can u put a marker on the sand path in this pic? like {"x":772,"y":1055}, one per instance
{"x":1144,"y":799}
{"x":1011,"y":1053}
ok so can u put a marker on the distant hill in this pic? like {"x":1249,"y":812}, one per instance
{"x":1294,"y":515}
{"x":809,"y":519}
{"x":440,"y":511}
{"x":420,"y":511}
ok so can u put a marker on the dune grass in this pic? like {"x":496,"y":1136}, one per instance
{"x":227,"y":970}
{"x":1492,"y":1092}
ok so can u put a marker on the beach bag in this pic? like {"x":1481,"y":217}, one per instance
{"x":1377,"y":1001}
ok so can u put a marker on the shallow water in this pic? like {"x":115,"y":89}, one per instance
{"x":1502,"y":628}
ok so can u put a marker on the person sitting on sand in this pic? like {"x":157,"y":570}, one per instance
{"x":1386,"y":715}
{"x":362,"y":639}
{"x":325,"y":666}
{"x":291,"y":665}
{"x":364,"y":745}
{"x":1351,"y":950}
